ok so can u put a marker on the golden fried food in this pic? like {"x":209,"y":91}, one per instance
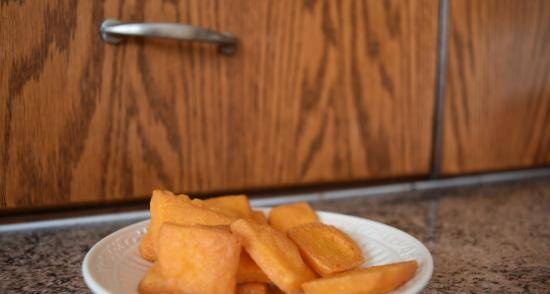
{"x":259,"y":216}
{"x":372,"y":280}
{"x":146,"y":249}
{"x":326,"y":249}
{"x":193,"y":260}
{"x":252,"y":288}
{"x":166,"y":207}
{"x":155,"y":283}
{"x":249,"y":271}
{"x":288,"y":216}
{"x":274,"y":253}
{"x":231,"y":205}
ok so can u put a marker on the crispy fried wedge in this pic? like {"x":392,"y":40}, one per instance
{"x":252,"y":288}
{"x":249,"y":271}
{"x":155,"y":283}
{"x":326,"y":249}
{"x":193,"y":259}
{"x":259,"y":216}
{"x":287,"y":216}
{"x":146,"y":249}
{"x":372,"y":280}
{"x":231,"y":205}
{"x":166,"y":207}
{"x":274,"y":253}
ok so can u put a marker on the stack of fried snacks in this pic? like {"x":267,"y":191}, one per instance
{"x":223,"y":246}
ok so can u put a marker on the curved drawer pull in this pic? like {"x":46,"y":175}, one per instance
{"x":113,"y":31}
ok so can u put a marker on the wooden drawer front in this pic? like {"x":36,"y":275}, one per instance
{"x":318,"y":92}
{"x":497,"y":113}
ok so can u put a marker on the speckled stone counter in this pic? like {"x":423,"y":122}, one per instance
{"x":485,"y":239}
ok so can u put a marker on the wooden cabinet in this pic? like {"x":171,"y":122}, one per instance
{"x":497,"y":113}
{"x":318,"y":92}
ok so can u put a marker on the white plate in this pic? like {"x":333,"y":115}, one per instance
{"x":114,"y":266}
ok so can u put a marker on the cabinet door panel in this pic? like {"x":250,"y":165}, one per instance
{"x":317,"y":92}
{"x":497,"y":113}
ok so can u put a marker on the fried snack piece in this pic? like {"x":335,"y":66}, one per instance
{"x":259,"y":216}
{"x":287,"y":216}
{"x":326,"y":249}
{"x":154,"y":283}
{"x":252,"y":288}
{"x":193,"y":260}
{"x":146,"y":249}
{"x":274,"y":253}
{"x":249,"y":271}
{"x":372,"y":280}
{"x":233,"y":205}
{"x":166,"y":207}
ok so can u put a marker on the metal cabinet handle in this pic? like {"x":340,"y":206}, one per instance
{"x":113,"y":31}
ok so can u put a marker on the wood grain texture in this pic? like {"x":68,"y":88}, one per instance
{"x":318,"y":92}
{"x":497,"y":112}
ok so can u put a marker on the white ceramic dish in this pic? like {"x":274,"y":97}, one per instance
{"x":114,"y":266}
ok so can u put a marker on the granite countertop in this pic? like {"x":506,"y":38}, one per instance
{"x":485,"y":239}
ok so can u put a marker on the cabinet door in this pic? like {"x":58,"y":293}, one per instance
{"x":497,"y":113}
{"x":317,"y":92}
